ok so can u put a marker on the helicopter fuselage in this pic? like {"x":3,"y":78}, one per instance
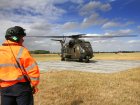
{"x":77,"y":50}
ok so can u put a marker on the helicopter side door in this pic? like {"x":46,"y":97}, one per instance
{"x":76,"y":51}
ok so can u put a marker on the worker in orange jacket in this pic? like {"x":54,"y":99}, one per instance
{"x":19,"y":73}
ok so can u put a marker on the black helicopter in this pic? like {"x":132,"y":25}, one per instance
{"x":78,"y":49}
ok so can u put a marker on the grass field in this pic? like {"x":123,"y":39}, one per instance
{"x":46,"y":57}
{"x":83,"y":88}
{"x":119,"y":56}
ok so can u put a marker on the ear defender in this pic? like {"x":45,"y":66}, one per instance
{"x":15,"y":38}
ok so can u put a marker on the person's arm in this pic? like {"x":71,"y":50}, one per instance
{"x":31,"y":68}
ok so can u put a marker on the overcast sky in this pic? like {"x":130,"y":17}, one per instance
{"x":66,"y":17}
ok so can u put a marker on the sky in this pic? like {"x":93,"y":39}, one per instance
{"x":67,"y":17}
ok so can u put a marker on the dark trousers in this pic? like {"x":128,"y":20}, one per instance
{"x":18,"y":94}
{"x":26,"y":98}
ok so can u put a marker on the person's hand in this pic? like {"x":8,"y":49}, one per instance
{"x":34,"y":89}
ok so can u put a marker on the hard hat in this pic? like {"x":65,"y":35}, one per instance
{"x":14,"y":33}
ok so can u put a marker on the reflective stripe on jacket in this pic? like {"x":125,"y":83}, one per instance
{"x":10,"y":72}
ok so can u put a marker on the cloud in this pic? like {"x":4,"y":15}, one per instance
{"x":115,"y":45}
{"x":39,"y":42}
{"x":105,"y":7}
{"x":94,"y":19}
{"x":111,"y":0}
{"x":94,"y":6}
{"x":119,"y":32}
{"x":70,"y":26}
{"x":111,"y":24}
{"x":77,"y":1}
{"x":138,"y":27}
{"x":28,"y":11}
{"x":41,"y":27}
{"x":134,"y":41}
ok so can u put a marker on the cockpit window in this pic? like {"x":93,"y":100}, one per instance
{"x":87,"y":44}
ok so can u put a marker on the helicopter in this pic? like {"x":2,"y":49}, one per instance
{"x":78,"y":49}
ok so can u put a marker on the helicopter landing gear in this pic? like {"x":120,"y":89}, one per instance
{"x":65,"y":59}
{"x":87,"y":59}
{"x":62,"y":59}
{"x":80,"y":59}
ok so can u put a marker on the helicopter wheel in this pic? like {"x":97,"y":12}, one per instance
{"x":80,"y":60}
{"x":65,"y":59}
{"x":87,"y":59}
{"x":62,"y":59}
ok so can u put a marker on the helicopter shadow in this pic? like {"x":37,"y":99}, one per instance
{"x":91,"y":61}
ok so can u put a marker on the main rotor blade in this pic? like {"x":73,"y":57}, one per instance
{"x":71,"y":36}
{"x":47,"y":36}
{"x":107,"y":36}
{"x":56,"y":40}
{"x":84,"y":36}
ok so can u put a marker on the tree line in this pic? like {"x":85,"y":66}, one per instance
{"x":40,"y":52}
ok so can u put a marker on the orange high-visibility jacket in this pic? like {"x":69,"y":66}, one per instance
{"x":10,"y":72}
